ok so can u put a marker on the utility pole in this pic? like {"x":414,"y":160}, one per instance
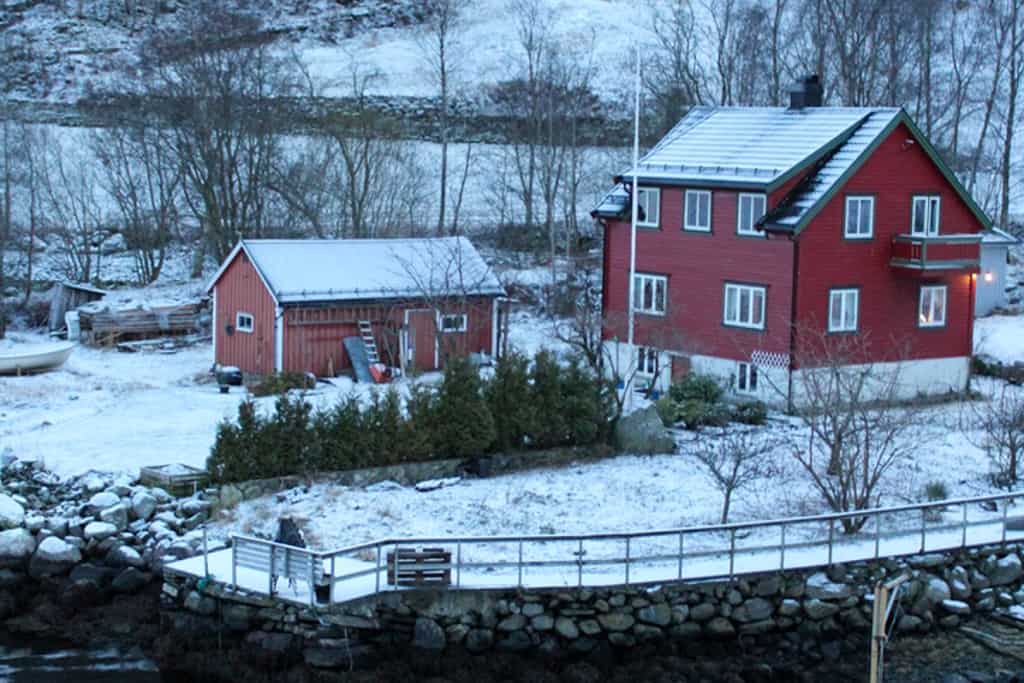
{"x":886,"y":597}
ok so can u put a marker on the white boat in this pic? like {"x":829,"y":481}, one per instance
{"x":36,"y":358}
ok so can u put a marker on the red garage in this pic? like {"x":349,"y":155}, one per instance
{"x":289,"y":305}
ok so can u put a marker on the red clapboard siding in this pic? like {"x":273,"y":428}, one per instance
{"x":888,"y":297}
{"x":240,"y":289}
{"x":698,"y":265}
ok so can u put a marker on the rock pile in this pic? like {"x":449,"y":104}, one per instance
{"x":89,"y":536}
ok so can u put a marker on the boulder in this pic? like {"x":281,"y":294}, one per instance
{"x":116,"y":515}
{"x":514,"y":622}
{"x":659,"y":615}
{"x":124,"y":556}
{"x":200,"y":604}
{"x":643,"y":432}
{"x":818,"y":609}
{"x":427,"y":635}
{"x":936,"y":591}
{"x":103,"y":500}
{"x":820,"y":587}
{"x":131,"y":579}
{"x":12,"y":514}
{"x":542,"y":622}
{"x":516,"y":641}
{"x":703,"y":611}
{"x":479,"y":640}
{"x":53,"y":557}
{"x":231,"y":495}
{"x":1005,"y":570}
{"x":16,"y":547}
{"x":616,"y":621}
{"x":89,"y":572}
{"x":956,"y":607}
{"x":99,"y":530}
{"x":567,"y":628}
{"x":755,"y":609}
{"x":143,"y":505}
{"x":720,"y":627}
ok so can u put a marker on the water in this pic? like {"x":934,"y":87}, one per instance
{"x":21,"y":663}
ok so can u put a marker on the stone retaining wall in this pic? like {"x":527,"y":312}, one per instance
{"x":816,"y":616}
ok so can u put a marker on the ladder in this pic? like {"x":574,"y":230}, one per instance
{"x":366,"y":332}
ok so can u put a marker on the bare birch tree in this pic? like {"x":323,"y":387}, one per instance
{"x":735,"y":459}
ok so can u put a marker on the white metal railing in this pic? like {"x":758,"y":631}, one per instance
{"x":643,"y":557}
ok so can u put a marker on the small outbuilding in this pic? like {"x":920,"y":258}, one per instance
{"x":290,"y":305}
{"x":995,"y":249}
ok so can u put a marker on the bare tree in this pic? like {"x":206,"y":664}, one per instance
{"x":442,"y":51}
{"x":736,"y":458}
{"x":673,"y":75}
{"x":857,"y":427}
{"x":71,"y":206}
{"x":1001,"y":426}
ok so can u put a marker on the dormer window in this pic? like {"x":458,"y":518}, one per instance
{"x":924,"y":216}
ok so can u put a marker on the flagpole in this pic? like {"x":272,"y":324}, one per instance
{"x":632,"y":234}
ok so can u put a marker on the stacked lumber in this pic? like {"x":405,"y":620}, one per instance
{"x":110,"y":326}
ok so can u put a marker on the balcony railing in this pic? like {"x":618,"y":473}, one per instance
{"x":937,"y":252}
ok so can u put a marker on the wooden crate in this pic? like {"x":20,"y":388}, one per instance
{"x":423,"y":567}
{"x":178,"y":480}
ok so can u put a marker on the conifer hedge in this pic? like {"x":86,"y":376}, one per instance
{"x":523,"y":405}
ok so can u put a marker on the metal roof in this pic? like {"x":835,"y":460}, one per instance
{"x":758,"y":145}
{"x":305,"y":271}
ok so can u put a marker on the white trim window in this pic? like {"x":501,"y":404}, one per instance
{"x":697,"y":212}
{"x":860,"y":218}
{"x":646,"y":361}
{"x":750,"y":208}
{"x":932,"y":306}
{"x":650,"y":294}
{"x":648,"y":201}
{"x":843,"y":310}
{"x":746,"y":378}
{"x":245,"y":322}
{"x":924,"y":215}
{"x":453,"y":322}
{"x":744,"y":306}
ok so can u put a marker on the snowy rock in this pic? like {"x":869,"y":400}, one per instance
{"x":755,"y":609}
{"x":816,"y":609}
{"x":99,"y":530}
{"x":16,"y":547}
{"x":116,"y":515}
{"x":94,"y":482}
{"x":104,"y":500}
{"x":124,"y":556}
{"x":12,"y":514}
{"x":956,"y":607}
{"x":820,"y":587}
{"x":1005,"y":570}
{"x":129,"y":580}
{"x":428,"y":635}
{"x":53,"y":557}
{"x":643,"y":432}
{"x":384,"y":486}
{"x":936,"y":591}
{"x":160,"y":495}
{"x":566,"y":628}
{"x":7,"y":457}
{"x":35,"y":523}
{"x":435,"y":484}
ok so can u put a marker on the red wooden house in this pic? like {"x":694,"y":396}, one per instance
{"x":764,"y":231}
{"x":287,"y":305}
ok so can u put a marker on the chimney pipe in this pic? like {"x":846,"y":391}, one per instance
{"x":806,"y":93}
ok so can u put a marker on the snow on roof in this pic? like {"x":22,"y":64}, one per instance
{"x":299,"y":271}
{"x":868,"y":129}
{"x":613,"y":203}
{"x":995,"y":236}
{"x":754,"y":145}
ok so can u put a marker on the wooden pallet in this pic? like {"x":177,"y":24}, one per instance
{"x":182,"y":483}
{"x":423,"y":567}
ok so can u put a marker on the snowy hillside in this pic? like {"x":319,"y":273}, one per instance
{"x":61,"y":55}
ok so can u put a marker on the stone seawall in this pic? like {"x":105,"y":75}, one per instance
{"x":799,"y":623}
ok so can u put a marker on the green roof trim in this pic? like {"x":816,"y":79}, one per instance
{"x":950,"y":177}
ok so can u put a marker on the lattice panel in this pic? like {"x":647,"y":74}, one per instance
{"x":770,"y":359}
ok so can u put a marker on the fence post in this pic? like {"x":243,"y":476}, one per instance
{"x":681,"y":536}
{"x":579,"y":564}
{"x":627,"y":559}
{"x":394,"y":564}
{"x":782,"y":550}
{"x":458,"y":564}
{"x":878,"y":533}
{"x":330,"y":594}
{"x":312,"y":578}
{"x":732,"y":551}
{"x":831,"y":535}
{"x":1006,"y":509}
{"x":963,"y":528}
{"x":520,"y":584}
{"x":270,"y":574}
{"x":376,"y":587}
{"x":924,"y":526}
{"x":206,"y":556}
{"x":234,"y":564}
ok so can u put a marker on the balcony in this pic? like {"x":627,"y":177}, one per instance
{"x":920,"y":254}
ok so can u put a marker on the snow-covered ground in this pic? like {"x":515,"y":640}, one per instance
{"x":1000,"y":336}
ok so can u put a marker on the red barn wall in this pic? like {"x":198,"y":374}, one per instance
{"x":888,"y":296}
{"x":240,"y":289}
{"x":698,"y":265}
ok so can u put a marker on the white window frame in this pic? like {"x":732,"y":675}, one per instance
{"x":643,"y":200}
{"x":646,"y":361}
{"x":751,"y":292}
{"x":746,"y":378}
{"x":460,"y":327}
{"x":697,"y":195}
{"x":248,"y":329}
{"x":751,"y":230}
{"x":859,"y":201}
{"x":932,"y":214}
{"x":930,"y":321}
{"x":843,"y":295}
{"x":638,"y":293}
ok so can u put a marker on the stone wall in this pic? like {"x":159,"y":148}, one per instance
{"x":816,"y":617}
